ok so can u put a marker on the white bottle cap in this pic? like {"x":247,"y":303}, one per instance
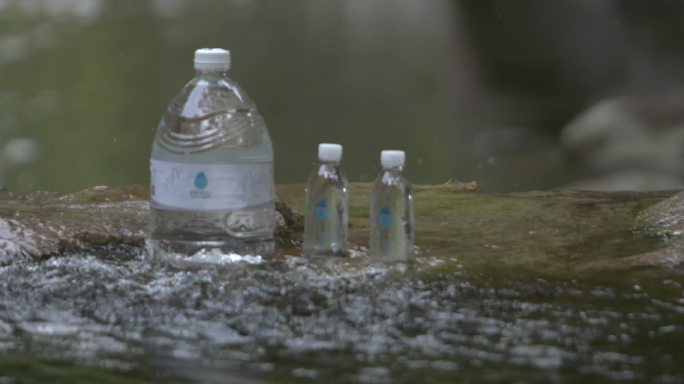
{"x":208,"y":59}
{"x":392,"y":158}
{"x":329,"y":152}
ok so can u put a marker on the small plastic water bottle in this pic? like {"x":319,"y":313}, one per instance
{"x":392,"y":215}
{"x":211,"y":170}
{"x":327,"y":213}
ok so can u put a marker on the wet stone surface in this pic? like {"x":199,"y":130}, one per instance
{"x":345,"y":320}
{"x":474,"y":306}
{"x":110,"y":222}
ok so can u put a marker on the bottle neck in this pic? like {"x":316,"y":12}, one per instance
{"x":397,"y":169}
{"x":329,"y":163}
{"x":329,"y":170}
{"x":391,"y":175}
{"x":211,"y":73}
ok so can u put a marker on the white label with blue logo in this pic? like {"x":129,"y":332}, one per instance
{"x":211,"y":186}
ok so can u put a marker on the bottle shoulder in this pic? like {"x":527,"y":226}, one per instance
{"x":204,"y":96}
{"x":393,"y":179}
{"x":211,"y":112}
{"x":328,"y":174}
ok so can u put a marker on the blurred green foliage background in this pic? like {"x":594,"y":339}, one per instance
{"x":84,"y":83}
{"x":518,"y":95}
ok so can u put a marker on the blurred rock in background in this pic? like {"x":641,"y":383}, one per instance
{"x":630,"y":142}
{"x":575,"y":93}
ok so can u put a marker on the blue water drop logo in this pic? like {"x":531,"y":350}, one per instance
{"x":321,"y":211}
{"x":384,"y":218}
{"x":201,"y":181}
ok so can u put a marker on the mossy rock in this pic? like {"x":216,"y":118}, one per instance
{"x":551,"y":232}
{"x":665,"y":218}
{"x":547,"y":232}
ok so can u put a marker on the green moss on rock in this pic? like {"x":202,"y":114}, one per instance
{"x":551,"y":232}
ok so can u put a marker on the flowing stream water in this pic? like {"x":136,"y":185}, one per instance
{"x":82,"y":318}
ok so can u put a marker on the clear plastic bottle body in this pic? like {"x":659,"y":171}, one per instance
{"x":392,"y":217}
{"x":212,"y":173}
{"x":327,"y":212}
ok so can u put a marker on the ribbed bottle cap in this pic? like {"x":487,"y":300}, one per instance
{"x":392,"y":158}
{"x":208,"y":59}
{"x":329,"y":152}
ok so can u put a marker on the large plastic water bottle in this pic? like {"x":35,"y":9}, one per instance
{"x":392,"y":217}
{"x":211,"y":170}
{"x":327,"y":212}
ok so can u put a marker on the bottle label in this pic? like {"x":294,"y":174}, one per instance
{"x":385,"y":218}
{"x":211,"y":186}
{"x":322,"y":210}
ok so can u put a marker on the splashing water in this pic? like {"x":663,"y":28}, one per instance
{"x":210,"y":258}
{"x":342,"y":319}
